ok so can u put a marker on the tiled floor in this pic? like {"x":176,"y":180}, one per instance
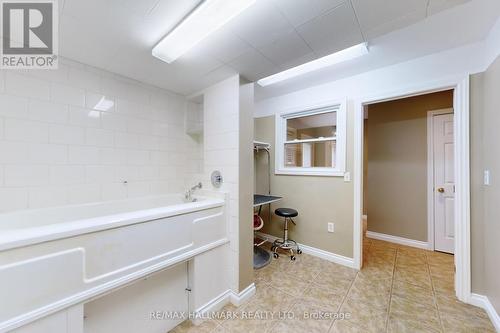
{"x":399,"y":289}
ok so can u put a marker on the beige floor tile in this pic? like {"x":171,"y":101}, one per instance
{"x":324,"y":297}
{"x":288,"y":284}
{"x":346,"y":326}
{"x":399,"y":289}
{"x":374,"y":293}
{"x":442,"y":286}
{"x":382,"y":252}
{"x":269,"y":300}
{"x":363,"y":315}
{"x":420,"y":315}
{"x":376,"y":272}
{"x":451,"y":305}
{"x":307,"y":317}
{"x":442,"y":270}
{"x":370,"y":299}
{"x":409,"y":260}
{"x":302,"y":272}
{"x":373,"y":259}
{"x":248,"y":325}
{"x":301,"y":326}
{"x":338,"y":271}
{"x":220,"y":329}
{"x":338,"y":286}
{"x":265,"y":274}
{"x":373,"y":285}
{"x":226,"y":312}
{"x":397,"y":324}
{"x":413,"y":293}
{"x":440,"y":258}
{"x":188,"y":327}
{"x":466,"y":324}
{"x":417,"y":277}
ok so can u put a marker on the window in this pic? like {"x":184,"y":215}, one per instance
{"x":311,"y":141}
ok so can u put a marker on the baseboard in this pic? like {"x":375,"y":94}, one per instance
{"x":243,"y":296}
{"x":220,"y":301}
{"x":211,"y":306}
{"x":335,"y":258}
{"x":398,"y":240}
{"x":483,"y":302}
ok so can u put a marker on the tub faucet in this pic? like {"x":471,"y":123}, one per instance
{"x":189,"y":193}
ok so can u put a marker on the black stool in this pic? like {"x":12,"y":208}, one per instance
{"x":286,"y":243}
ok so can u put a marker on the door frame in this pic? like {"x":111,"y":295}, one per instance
{"x":430,"y":175}
{"x":460,"y":87}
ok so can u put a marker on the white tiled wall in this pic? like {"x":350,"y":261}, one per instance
{"x":57,"y":145}
{"x":221,"y":130}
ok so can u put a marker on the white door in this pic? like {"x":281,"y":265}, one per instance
{"x":444,"y":183}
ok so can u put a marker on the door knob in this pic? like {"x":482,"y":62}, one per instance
{"x":440,"y":189}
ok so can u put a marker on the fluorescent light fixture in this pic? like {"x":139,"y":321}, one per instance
{"x":204,"y":20}
{"x":329,"y":60}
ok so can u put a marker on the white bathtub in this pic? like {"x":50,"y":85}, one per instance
{"x":54,"y":259}
{"x":40,"y":225}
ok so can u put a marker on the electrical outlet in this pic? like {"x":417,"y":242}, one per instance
{"x":331,"y":227}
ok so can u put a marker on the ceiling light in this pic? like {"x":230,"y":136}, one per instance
{"x":329,"y":60}
{"x":205,"y":19}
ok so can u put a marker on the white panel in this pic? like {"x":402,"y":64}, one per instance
{"x":260,"y":24}
{"x":332,"y":32}
{"x":115,"y":249}
{"x":299,"y":12}
{"x":374,"y":14}
{"x":253,"y":65}
{"x":449,"y":170}
{"x":130,"y":310}
{"x":436,"y":6}
{"x":449,"y":218}
{"x":448,"y":128}
{"x":209,"y":276}
{"x":50,"y":286}
{"x":225,"y":46}
{"x":285,"y":49}
{"x":56,"y":323}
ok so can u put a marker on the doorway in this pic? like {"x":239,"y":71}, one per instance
{"x":461,"y":207}
{"x":398,"y":160}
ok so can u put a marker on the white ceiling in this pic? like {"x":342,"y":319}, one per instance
{"x":270,"y":36}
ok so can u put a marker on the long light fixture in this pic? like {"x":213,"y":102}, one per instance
{"x":329,"y":60}
{"x":209,"y":16}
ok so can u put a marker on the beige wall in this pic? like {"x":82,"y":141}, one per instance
{"x":476,"y":169}
{"x":396,"y":197}
{"x":485,"y":138}
{"x":317,"y":199}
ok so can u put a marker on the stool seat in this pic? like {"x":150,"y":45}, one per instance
{"x":286,"y":212}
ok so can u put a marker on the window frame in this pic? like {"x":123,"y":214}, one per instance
{"x":281,"y":139}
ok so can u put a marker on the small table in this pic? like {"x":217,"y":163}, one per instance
{"x":260,"y":256}
{"x":259,"y":199}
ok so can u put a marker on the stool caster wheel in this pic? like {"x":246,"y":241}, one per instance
{"x":299,"y":251}
{"x":273,"y":248}
{"x":275,"y":255}
{"x":292,"y":258}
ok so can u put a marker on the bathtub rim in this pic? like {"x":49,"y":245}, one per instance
{"x":26,"y":236}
